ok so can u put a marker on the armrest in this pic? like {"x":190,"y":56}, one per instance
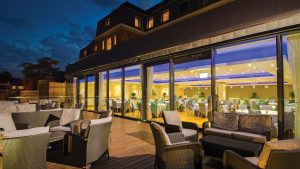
{"x":172,"y":128}
{"x":271,"y":133}
{"x":190,"y":125}
{"x":176,"y":137}
{"x":233,"y":160}
{"x":176,"y":151}
{"x":22,"y":126}
{"x":206,"y":125}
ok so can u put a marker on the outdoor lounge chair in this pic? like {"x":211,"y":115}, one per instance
{"x":173,"y":124}
{"x":281,"y":154}
{"x":25,"y":152}
{"x":172,"y":152}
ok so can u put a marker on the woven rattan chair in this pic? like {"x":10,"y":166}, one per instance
{"x":278,"y":159}
{"x":180,"y":155}
{"x":25,"y":152}
{"x":93,"y":144}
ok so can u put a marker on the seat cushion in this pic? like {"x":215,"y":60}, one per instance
{"x":60,"y":128}
{"x":218,"y":132}
{"x":226,"y":121}
{"x":257,"y":138}
{"x":257,"y":124}
{"x":188,"y":132}
{"x":69,"y":115}
{"x":172,"y":118}
{"x":26,"y":132}
{"x":291,"y":144}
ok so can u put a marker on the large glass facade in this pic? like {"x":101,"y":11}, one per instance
{"x":192,"y":90}
{"x":115,"y":91}
{"x":245,"y":81}
{"x":91,"y":93}
{"x":133,"y":92}
{"x":102,"y":91}
{"x":246,"y":78}
{"x":158,"y":91}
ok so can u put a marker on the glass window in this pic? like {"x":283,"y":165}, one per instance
{"x":246,"y":78}
{"x":137,"y":22}
{"x":85,"y":53}
{"x":193,"y":90}
{"x":91,"y":93}
{"x":158,"y":91}
{"x":291,"y":63}
{"x":82,"y":91}
{"x":165,"y":16}
{"x":103,"y":45}
{"x":115,"y":39}
{"x":102,"y":91}
{"x":133,"y":92}
{"x":150,"y":23}
{"x":108,"y":44}
{"x":115,"y":91}
{"x":74,"y":86}
{"x":107,"y":22}
{"x":95,"y":48}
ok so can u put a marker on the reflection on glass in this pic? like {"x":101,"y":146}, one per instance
{"x":91,"y":93}
{"x":133,"y":92}
{"x":246,"y":78}
{"x":291,"y":63}
{"x":102,"y":91}
{"x":82,"y":91}
{"x":74,"y":85}
{"x":158,"y":90}
{"x":192,"y":89}
{"x":115,"y":91}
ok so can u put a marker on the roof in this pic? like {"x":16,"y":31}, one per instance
{"x":231,"y":16}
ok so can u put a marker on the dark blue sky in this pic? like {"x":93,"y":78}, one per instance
{"x":31,"y":29}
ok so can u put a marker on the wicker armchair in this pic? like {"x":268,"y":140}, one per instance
{"x":25,"y":152}
{"x":92,"y":144}
{"x":278,"y":159}
{"x":179,"y":155}
{"x":173,"y":124}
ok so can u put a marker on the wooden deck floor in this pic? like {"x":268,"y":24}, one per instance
{"x":132,"y":146}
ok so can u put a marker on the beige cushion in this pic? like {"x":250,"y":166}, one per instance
{"x":257,"y":124}
{"x":172,"y":118}
{"x":6,"y":122}
{"x":276,"y":145}
{"x":27,"y":132}
{"x":69,"y":115}
{"x":188,"y":132}
{"x":26,"y":107}
{"x":249,"y":137}
{"x":162,"y":130}
{"x":100,"y":121}
{"x":60,"y":128}
{"x":7,"y":107}
{"x":253,"y":160}
{"x":226,"y":121}
{"x":218,"y":132}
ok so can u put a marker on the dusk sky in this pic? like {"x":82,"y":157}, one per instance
{"x":58,"y":29}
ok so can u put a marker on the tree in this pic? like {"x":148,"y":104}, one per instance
{"x":5,"y":77}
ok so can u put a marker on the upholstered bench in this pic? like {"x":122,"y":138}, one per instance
{"x":217,"y":145}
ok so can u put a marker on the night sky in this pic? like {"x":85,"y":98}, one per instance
{"x":32,"y":29}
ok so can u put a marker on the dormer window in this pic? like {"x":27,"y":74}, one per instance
{"x":85,"y":53}
{"x":150,"y":23}
{"x":115,"y":39}
{"x":95,"y":48}
{"x":137,"y":22}
{"x":103,"y":45}
{"x":165,"y":16}
{"x":108,"y":43}
{"x":107,"y":22}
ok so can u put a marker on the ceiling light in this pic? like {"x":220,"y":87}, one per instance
{"x":203,"y":75}
{"x":249,"y":65}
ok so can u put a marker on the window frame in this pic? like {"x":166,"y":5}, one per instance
{"x":148,"y":23}
{"x":167,"y":11}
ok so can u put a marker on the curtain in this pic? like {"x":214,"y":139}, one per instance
{"x":294,"y":63}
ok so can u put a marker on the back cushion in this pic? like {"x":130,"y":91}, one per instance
{"x":69,"y":115}
{"x":172,"y":118}
{"x":6,"y":122}
{"x":257,"y":124}
{"x":226,"y":121}
{"x":27,"y":132}
{"x":293,"y":144}
{"x":25,"y":107}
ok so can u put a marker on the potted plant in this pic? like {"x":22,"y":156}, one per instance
{"x":292,"y":97}
{"x":164,"y":94}
{"x":254,"y":95}
{"x":133,"y":96}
